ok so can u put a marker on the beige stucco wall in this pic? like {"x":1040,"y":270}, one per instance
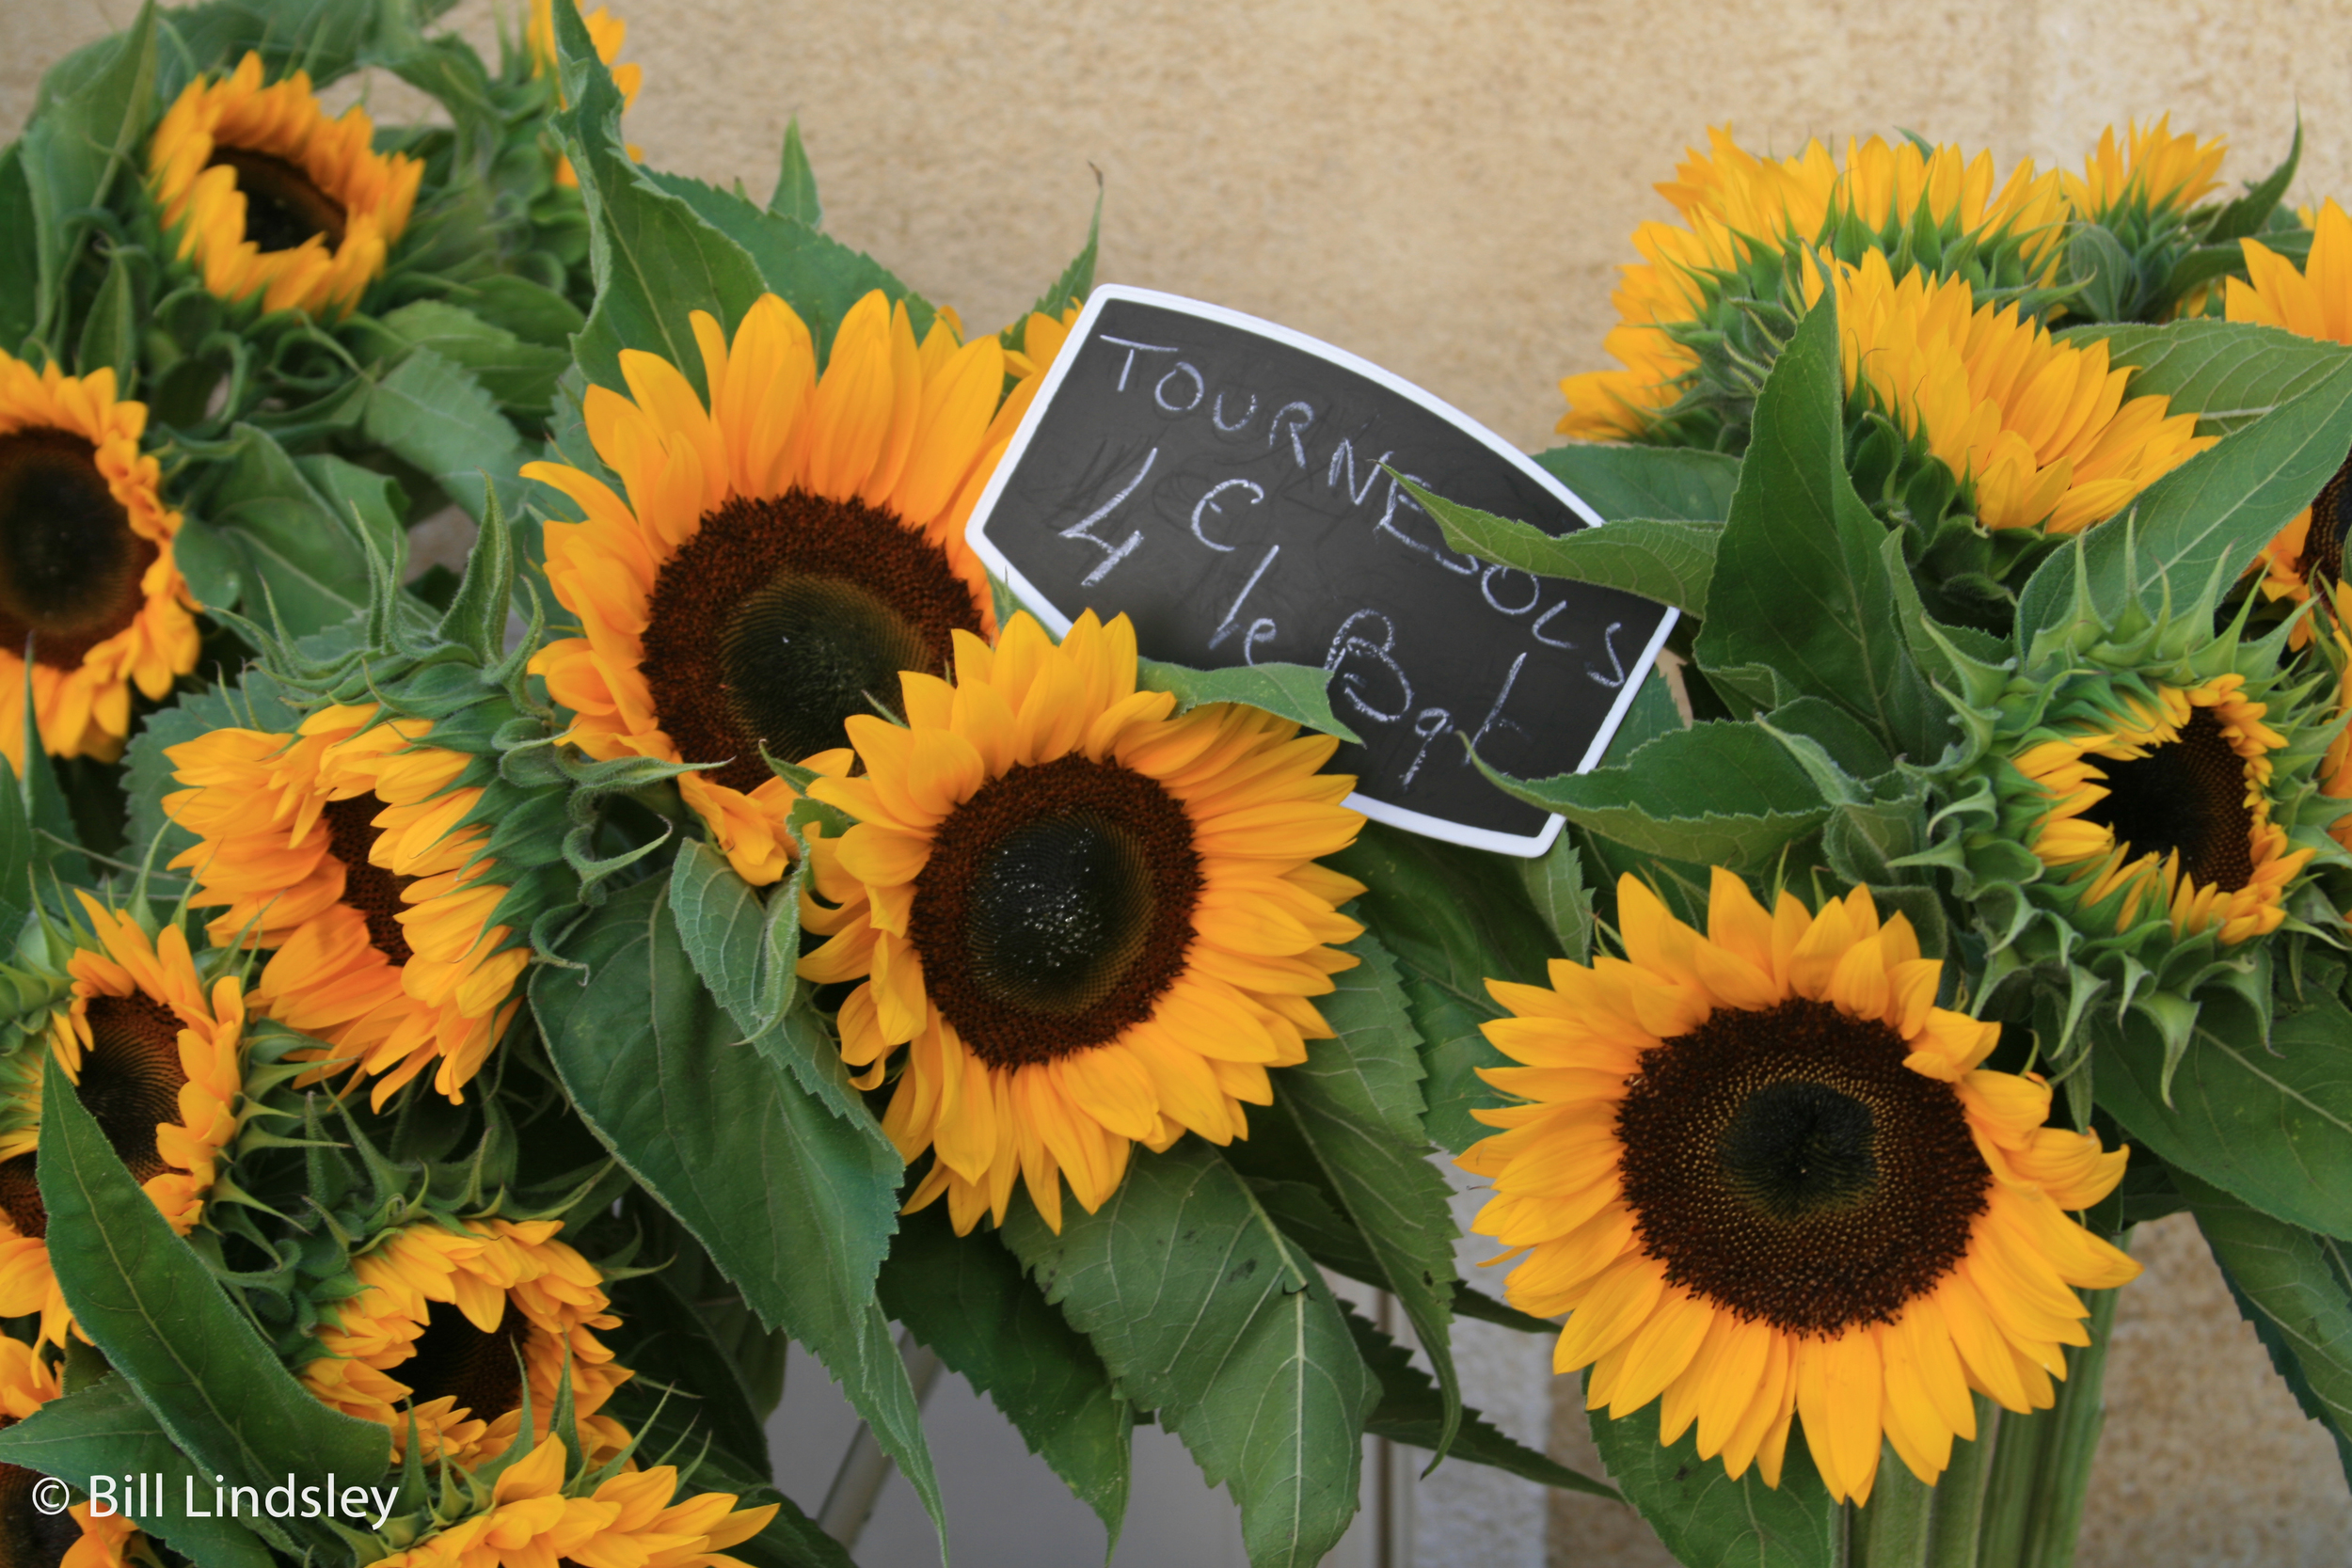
{"x":1447,"y":189}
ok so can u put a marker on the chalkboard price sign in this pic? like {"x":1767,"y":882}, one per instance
{"x":1222,"y":481}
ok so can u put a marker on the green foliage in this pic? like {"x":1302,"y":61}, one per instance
{"x":280,"y":536}
{"x":2270,"y":1122}
{"x":1293,"y":691}
{"x":1703,"y":1515}
{"x":2227,"y":374}
{"x":218,"y":1391}
{"x":795,"y":195}
{"x":1674,"y":483}
{"x":1245,"y":1354}
{"x":968,"y":1299}
{"x":1668,"y":560}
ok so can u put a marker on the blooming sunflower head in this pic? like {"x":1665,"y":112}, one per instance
{"x":88,"y":583}
{"x":541,"y":1510}
{"x":452,"y":1327}
{"x":2306,"y":559}
{"x":2039,"y":433}
{"x":1703,"y":314}
{"x":32,"y":1535}
{"x":1773,"y":1184}
{"x":778,"y":550}
{"x":2139,"y":803}
{"x":1091,"y":921}
{"x":157,"y":1054}
{"x":2150,"y":176}
{"x":273,"y":199}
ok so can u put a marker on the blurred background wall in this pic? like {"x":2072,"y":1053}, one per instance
{"x":1447,"y":190}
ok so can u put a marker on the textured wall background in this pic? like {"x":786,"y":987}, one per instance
{"x":1447,"y":190}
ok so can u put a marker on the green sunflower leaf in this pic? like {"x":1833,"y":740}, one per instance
{"x":323,"y":38}
{"x":1801,"y":601}
{"x":969,"y":1300}
{"x":110,"y":332}
{"x":1718,"y":793}
{"x":1451,"y":918}
{"x":653,"y":259}
{"x":795,"y":195}
{"x":1674,"y":482}
{"x":2271,"y":1124}
{"x":2297,"y":1286}
{"x":1356,"y":1104}
{"x":1662,"y":559}
{"x":1410,"y":1412}
{"x":84,"y":136}
{"x":20,"y":254}
{"x":2227,"y":374}
{"x":517,"y":373}
{"x":104,"y":1430}
{"x":144,"y":1298}
{"x":666,"y":1343}
{"x":1555,"y":882}
{"x":794,"y":1203}
{"x":744,"y":950}
{"x":1309,"y":1215}
{"x":1293,"y":691}
{"x":272,"y":531}
{"x":2188,"y":535}
{"x":2246,"y":215}
{"x":814,"y":272}
{"x":1244,"y":1353}
{"x":431,"y":412}
{"x":1703,"y":1515}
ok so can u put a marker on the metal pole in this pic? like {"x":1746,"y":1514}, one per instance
{"x":850,"y":1501}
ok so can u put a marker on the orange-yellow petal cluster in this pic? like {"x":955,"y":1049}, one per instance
{"x":1230,"y":812}
{"x":495,"y":1289}
{"x":2235,"y":880}
{"x":104,"y":1539}
{"x":630,"y":1520}
{"x":1836,"y":1012}
{"x":238,"y":168}
{"x":2043,"y":431}
{"x":2150,"y":170}
{"x":340,"y":847}
{"x":142,"y":1030}
{"x":104,"y":607}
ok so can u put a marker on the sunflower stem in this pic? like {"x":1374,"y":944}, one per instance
{"x":1957,"y":1518}
{"x":2064,"y":1477}
{"x":2009,"y":1486}
{"x":1892,"y":1531}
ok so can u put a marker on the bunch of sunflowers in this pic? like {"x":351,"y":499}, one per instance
{"x":457,"y":1028}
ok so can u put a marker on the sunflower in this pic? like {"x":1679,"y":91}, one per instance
{"x":608,"y":33}
{"x":1093,"y":925}
{"x":158,"y":1060}
{"x":1769,"y":1180}
{"x":2335,"y":766}
{"x":2039,"y":428}
{"x":272,"y":197}
{"x":783,"y":554}
{"x":2307,"y":555}
{"x":634,"y":1519}
{"x":2162,"y":803}
{"x":87,"y":574}
{"x":74,"y":1539}
{"x":2153,"y":173}
{"x":1745,"y":218}
{"x":453,"y":1322}
{"x":350,"y":848}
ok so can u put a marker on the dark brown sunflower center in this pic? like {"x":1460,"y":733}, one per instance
{"x":70,"y":566}
{"x":282,"y":206}
{"x":1786,"y":1166}
{"x":781,"y":618}
{"x":28,"y":1537}
{"x":2322,"y":561}
{"x":375,"y":893}
{"x":2189,"y":795}
{"x":1056,"y":908}
{"x":131,"y":1081}
{"x":20,"y":1195}
{"x":480,"y":1371}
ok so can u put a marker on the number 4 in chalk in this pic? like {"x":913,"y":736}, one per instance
{"x":1112,"y":554}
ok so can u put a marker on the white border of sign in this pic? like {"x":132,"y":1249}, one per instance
{"x":1040,"y":606}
